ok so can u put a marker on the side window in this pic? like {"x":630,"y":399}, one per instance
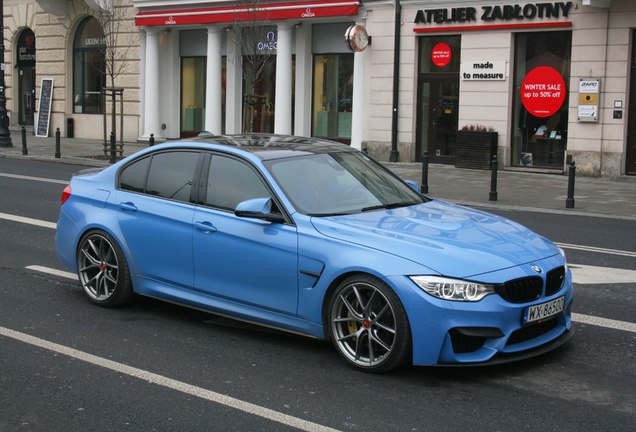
{"x":231,"y":182}
{"x":171,"y":175}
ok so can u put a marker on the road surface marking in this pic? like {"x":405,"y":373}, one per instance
{"x":166,"y":382}
{"x":599,"y":250}
{"x":28,"y":221}
{"x":604,"y":322}
{"x":47,"y":270}
{"x":585,"y":319}
{"x":592,"y":275}
{"x":42,"y":179}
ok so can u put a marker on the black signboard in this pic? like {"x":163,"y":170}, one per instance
{"x":26,"y":49}
{"x":44,"y":114}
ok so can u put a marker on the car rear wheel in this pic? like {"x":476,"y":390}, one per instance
{"x":369,"y":326}
{"x":102,"y":270}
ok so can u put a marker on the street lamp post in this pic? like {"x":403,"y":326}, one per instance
{"x":5,"y":134}
{"x":395,"y":153}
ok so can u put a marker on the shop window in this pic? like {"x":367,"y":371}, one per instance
{"x":540,"y":126}
{"x":332,"y":96}
{"x":88,"y":67}
{"x":193,"y":75}
{"x":259,"y":93}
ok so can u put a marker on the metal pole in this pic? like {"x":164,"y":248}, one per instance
{"x":395,"y":153}
{"x":58,"y":153}
{"x":493,"y":179}
{"x":24,"y":142}
{"x":5,"y":134}
{"x":569,"y":202}
{"x":112,"y":147}
{"x":424,"y":187}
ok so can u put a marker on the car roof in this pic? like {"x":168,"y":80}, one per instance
{"x":270,"y":146}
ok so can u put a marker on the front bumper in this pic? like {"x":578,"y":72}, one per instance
{"x":484,"y":332}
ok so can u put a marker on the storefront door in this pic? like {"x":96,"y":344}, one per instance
{"x":438,"y":98}
{"x":437,"y":113}
{"x":25,"y":63}
{"x":26,"y":89}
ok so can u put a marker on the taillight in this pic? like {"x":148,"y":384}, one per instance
{"x":66,"y":193}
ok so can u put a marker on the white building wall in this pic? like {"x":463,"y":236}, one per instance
{"x":601,"y":47}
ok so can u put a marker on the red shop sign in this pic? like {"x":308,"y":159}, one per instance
{"x":441,"y":54}
{"x":543,"y":91}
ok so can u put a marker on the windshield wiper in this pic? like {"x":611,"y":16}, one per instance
{"x":390,"y":206}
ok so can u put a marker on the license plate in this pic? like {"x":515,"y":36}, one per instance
{"x":544,"y":310}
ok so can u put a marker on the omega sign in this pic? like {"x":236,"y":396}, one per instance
{"x":270,"y":44}
{"x":492,"y":13}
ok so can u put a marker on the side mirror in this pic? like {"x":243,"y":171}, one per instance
{"x":413,"y":185}
{"x":258,"y":208}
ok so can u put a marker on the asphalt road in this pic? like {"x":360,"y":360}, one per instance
{"x":66,"y":365}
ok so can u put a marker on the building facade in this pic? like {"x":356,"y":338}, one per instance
{"x":64,"y":43}
{"x":554,"y":79}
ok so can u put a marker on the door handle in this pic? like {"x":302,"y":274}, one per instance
{"x":206,"y":227}
{"x":128,"y":206}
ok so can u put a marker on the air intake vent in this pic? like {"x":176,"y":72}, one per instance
{"x":554,"y":281}
{"x":521,"y":290}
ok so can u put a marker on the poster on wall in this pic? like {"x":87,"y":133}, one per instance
{"x":441,"y":54}
{"x":543,"y":91}
{"x":44,"y":113}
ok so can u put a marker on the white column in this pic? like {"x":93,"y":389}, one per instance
{"x":214,"y":82}
{"x":302,"y":93}
{"x":358,"y":102}
{"x":142,"y":83}
{"x":234,"y":84}
{"x":282,"y":109}
{"x":152,"y":122}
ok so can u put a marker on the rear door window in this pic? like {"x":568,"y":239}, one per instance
{"x":167,"y":175}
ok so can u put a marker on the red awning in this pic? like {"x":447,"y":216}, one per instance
{"x":275,"y":11}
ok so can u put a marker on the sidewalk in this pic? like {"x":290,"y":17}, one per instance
{"x":516,"y":190}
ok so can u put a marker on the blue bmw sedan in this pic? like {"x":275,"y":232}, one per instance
{"x":316,"y":238}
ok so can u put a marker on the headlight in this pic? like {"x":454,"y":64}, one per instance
{"x":564,"y":259}
{"x":453,"y":289}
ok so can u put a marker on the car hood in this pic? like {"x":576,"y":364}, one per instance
{"x":449,"y":239}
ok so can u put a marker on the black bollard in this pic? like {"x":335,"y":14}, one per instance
{"x":58,"y":154}
{"x":151,"y":141}
{"x":112,"y":147}
{"x":24,"y":143}
{"x":493,"y":179}
{"x":424,"y":187}
{"x":569,"y":202}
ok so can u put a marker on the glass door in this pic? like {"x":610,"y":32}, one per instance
{"x":193,"y":70}
{"x":26,"y":90}
{"x":438,"y":104}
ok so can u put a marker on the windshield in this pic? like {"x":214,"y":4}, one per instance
{"x":340,"y":183}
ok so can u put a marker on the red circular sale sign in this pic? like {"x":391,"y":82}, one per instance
{"x":543,"y":91}
{"x":441,"y":54}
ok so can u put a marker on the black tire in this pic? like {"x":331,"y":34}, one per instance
{"x":103,"y":271}
{"x":368,"y":325}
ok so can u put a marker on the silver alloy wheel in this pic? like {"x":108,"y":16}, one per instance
{"x":98,"y":267}
{"x":363,"y":325}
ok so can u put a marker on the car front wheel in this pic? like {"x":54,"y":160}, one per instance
{"x":102,"y":270}
{"x":368,"y":325}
